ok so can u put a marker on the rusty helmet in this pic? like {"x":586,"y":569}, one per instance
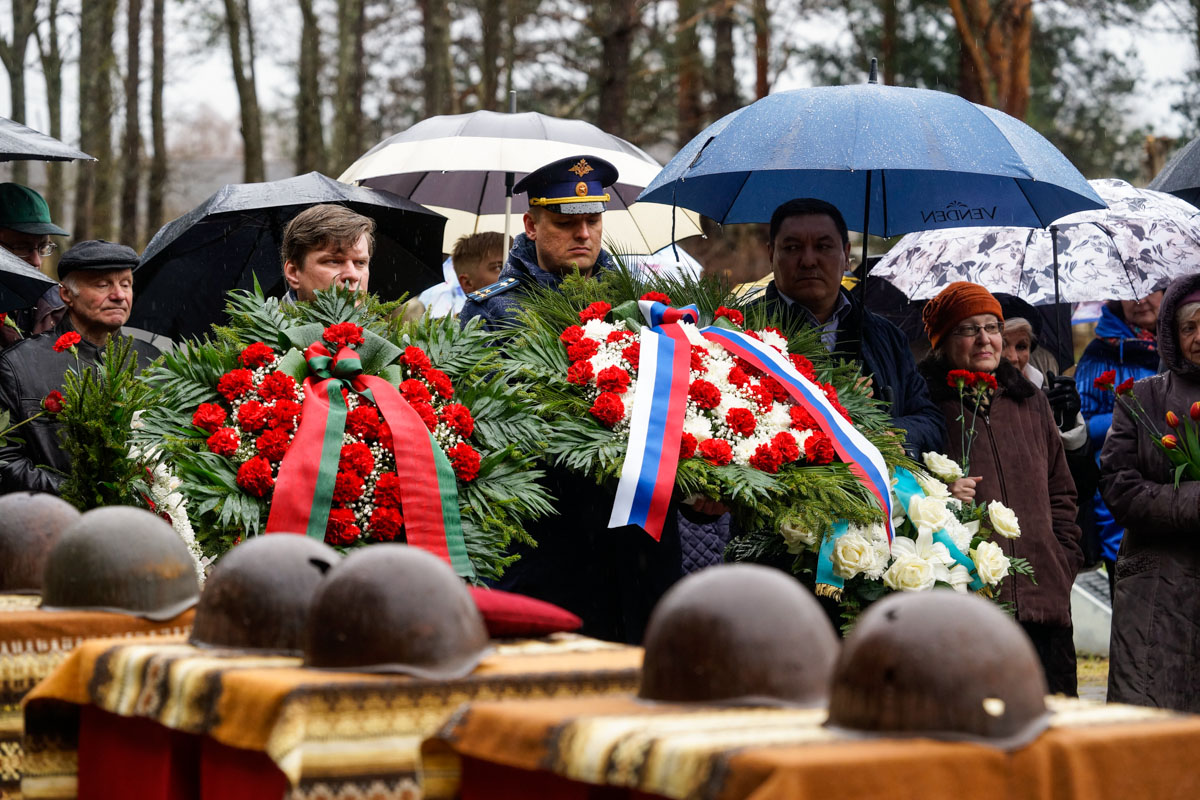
{"x":258,"y":594}
{"x":738,"y":633}
{"x":122,"y":559}
{"x":30,"y":523}
{"x":395,"y":608}
{"x":940,"y":664}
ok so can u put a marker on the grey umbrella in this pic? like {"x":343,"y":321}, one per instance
{"x":19,"y":143}
{"x":20,"y":284}
{"x":1181,"y":175}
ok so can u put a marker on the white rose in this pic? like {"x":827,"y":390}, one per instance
{"x":928,"y":512}
{"x":959,"y":579}
{"x":1004,"y":521}
{"x":909,"y":573}
{"x":945,"y":468}
{"x":990,"y":562}
{"x":852,"y":554}
{"x":798,"y":539}
{"x":933,"y":487}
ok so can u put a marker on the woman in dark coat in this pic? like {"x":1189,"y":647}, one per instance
{"x":1017,"y":458}
{"x":1155,"y":646}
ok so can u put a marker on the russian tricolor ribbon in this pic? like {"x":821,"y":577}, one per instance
{"x":304,"y":487}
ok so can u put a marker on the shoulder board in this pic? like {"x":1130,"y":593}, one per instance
{"x":499,"y":287}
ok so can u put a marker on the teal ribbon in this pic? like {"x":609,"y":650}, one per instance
{"x":906,"y":489}
{"x":829,"y":583}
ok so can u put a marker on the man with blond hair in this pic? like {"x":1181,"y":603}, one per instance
{"x":475,"y":262}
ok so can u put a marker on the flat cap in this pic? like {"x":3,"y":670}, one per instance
{"x":97,"y":254}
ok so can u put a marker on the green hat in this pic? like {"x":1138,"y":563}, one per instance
{"x":23,"y":210}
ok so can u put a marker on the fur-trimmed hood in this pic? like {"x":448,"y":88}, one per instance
{"x":1168,"y":338}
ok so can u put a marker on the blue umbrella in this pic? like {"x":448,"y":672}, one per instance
{"x":893,"y":160}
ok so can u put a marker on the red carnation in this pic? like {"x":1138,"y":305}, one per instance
{"x":415,"y":392}
{"x":818,"y":449}
{"x":774,"y":387}
{"x":1126,"y":387}
{"x":747,"y":367}
{"x":425,"y":411}
{"x":53,"y":402}
{"x":386,"y":525}
{"x":597,"y":310}
{"x":687,"y":446}
{"x":766,"y":458}
{"x":632,"y":354}
{"x":830,"y":392}
{"x":961,"y":378}
{"x":363,"y":423}
{"x":785,"y":444}
{"x":740,"y":421}
{"x":253,"y":415}
{"x":285,"y":414}
{"x":343,"y":334}
{"x":340,"y":530}
{"x":985,"y":380}
{"x":235,"y":383}
{"x":617,"y":336}
{"x":571,"y":335}
{"x":255,"y":477}
{"x":273,"y":445}
{"x":704,"y":394}
{"x":465,"y":461}
{"x":458,"y":418}
{"x":716,"y":452}
{"x":356,"y":457}
{"x":584,"y":348}
{"x":1104,"y":382}
{"x":387,"y":490}
{"x":730,"y":314}
{"x":580,"y":373}
{"x":385,"y":436}
{"x":440,"y":382}
{"x":803,"y":366}
{"x":209,"y":416}
{"x":738,"y":377}
{"x":697,"y":360}
{"x":657,"y":297}
{"x":256,"y":355}
{"x":762,"y":396}
{"x":613,"y":379}
{"x":347,"y":488}
{"x":801,"y":419}
{"x":277,"y":386}
{"x":224,"y":442}
{"x":838,"y":407}
{"x":415,"y":358}
{"x":609,"y":409}
{"x":67,"y":341}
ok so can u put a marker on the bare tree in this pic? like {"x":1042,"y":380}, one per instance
{"x":724,"y":76}
{"x":50,"y":55}
{"x":94,"y":183}
{"x":310,"y":136}
{"x":131,"y":156}
{"x":491,"y":16}
{"x":157,"y":189}
{"x":351,"y":77}
{"x":439,"y":90}
{"x":12,"y":54}
{"x":690,"y":65}
{"x":240,"y":29}
{"x":616,"y":21}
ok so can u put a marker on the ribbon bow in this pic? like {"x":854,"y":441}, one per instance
{"x":304,"y":489}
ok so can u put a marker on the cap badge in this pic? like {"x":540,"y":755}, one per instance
{"x":581,"y":189}
{"x":582,"y":168}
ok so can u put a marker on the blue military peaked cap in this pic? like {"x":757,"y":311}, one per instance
{"x":572,"y":185}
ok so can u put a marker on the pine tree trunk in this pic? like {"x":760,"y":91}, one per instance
{"x":156,"y":191}
{"x":347,"y":117}
{"x":94,"y":181}
{"x":310,"y":137}
{"x":887,"y":48}
{"x":52,"y":63}
{"x":237,"y":19}
{"x":439,"y":93}
{"x":724,"y":76}
{"x":1022,"y":35}
{"x":618,"y":23}
{"x":762,"y":47}
{"x":492,"y":22}
{"x":131,"y":155}
{"x":12,"y":55}
{"x":690,"y":119}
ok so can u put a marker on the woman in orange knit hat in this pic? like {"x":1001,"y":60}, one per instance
{"x":1016,"y":458}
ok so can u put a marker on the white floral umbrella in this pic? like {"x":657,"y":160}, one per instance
{"x":1119,"y":253}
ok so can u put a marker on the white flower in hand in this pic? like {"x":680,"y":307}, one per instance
{"x":943,"y":467}
{"x":852,"y":554}
{"x":909,"y":573}
{"x":1004,"y":520}
{"x":990,"y":562}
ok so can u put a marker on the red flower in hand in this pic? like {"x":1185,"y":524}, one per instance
{"x":1126,"y":387}
{"x":255,"y":477}
{"x":67,"y":342}
{"x":959,"y":378}
{"x":597,"y":310}
{"x":53,"y":402}
{"x":465,"y":461}
{"x":985,"y":380}
{"x":1106,"y":380}
{"x":209,"y":416}
{"x":343,"y":334}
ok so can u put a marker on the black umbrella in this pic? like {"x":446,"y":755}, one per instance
{"x":20,"y":284}
{"x":234,"y":237}
{"x":19,"y":143}
{"x":1181,"y":175}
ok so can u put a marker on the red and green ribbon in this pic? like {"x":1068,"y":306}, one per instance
{"x":304,"y":488}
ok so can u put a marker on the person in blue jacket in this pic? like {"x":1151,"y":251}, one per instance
{"x":1125,"y":343}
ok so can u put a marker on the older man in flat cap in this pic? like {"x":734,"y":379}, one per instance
{"x":97,"y":289}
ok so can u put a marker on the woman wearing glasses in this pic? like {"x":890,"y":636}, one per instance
{"x":1017,"y":458}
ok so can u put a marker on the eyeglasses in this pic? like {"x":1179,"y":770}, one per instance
{"x":971,"y":331}
{"x":24,"y":251}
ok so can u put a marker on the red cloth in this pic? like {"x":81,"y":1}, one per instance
{"x":125,"y":757}
{"x":509,"y":614}
{"x":230,"y":773}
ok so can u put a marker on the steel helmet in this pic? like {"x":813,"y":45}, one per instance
{"x":738,"y":633}
{"x":122,"y":559}
{"x":29,"y":526}
{"x":940,"y":664}
{"x":258,"y":594}
{"x":395,"y":608}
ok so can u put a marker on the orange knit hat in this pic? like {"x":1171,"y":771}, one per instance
{"x":955,"y":303}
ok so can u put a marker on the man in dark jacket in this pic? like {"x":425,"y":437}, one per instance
{"x":25,"y":231}
{"x":97,"y":289}
{"x":809,"y":248}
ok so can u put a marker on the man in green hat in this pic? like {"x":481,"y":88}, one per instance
{"x":25,"y":231}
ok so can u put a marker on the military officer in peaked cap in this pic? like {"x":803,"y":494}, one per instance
{"x":563,"y":227}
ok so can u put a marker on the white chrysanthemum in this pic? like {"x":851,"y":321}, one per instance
{"x":718,"y":369}
{"x":698,"y":425}
{"x":778,"y":418}
{"x":744,"y":449}
{"x":598,"y":329}
{"x":605,"y":358}
{"x":959,"y":534}
{"x":773,"y":339}
{"x":801,"y":437}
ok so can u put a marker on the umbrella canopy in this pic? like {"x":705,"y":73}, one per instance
{"x":234,"y":237}
{"x":1123,"y":252}
{"x":20,"y":284}
{"x":457,"y":164}
{"x":19,"y":143}
{"x":1181,"y":175}
{"x":892,"y":159}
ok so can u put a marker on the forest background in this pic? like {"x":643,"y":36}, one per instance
{"x":316,"y":83}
